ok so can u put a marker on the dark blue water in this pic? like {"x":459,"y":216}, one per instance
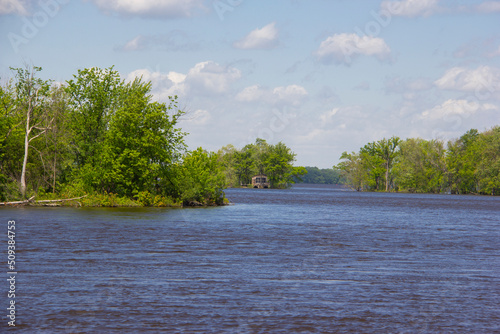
{"x":304,"y":260}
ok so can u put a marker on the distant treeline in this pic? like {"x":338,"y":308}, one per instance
{"x":467,"y":165}
{"x":320,"y":176}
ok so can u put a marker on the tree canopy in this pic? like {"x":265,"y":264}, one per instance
{"x":97,"y":134}
{"x":275,"y":161}
{"x":467,"y":165}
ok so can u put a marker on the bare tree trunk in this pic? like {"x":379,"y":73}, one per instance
{"x":387,"y":177}
{"x":26,"y":149}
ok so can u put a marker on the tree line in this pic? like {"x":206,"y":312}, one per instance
{"x":467,"y":165}
{"x":316,"y":175}
{"x":260,"y":158}
{"x":97,"y":134}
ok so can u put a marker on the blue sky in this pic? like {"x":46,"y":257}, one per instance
{"x":323,"y":76}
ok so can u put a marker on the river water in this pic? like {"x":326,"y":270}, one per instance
{"x":304,"y":260}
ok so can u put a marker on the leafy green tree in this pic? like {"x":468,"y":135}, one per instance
{"x":353,"y":171}
{"x":488,"y":169}
{"x":227,"y":159}
{"x":142,"y":143}
{"x":201,"y":178}
{"x":260,"y":152}
{"x":462,"y":158}
{"x":94,"y":95}
{"x":278,"y":165}
{"x":373,"y":164}
{"x":243,"y":165}
{"x":421,"y":166}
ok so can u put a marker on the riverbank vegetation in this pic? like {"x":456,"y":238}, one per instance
{"x":260,"y":158}
{"x":467,"y":165}
{"x":316,"y":175}
{"x":100,"y":137}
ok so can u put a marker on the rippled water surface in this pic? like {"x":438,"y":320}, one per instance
{"x":303,"y":260}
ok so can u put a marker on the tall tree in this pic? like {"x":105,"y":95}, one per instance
{"x":462,"y":158}
{"x":31,"y":96}
{"x":353,"y":171}
{"x":141,"y":144}
{"x":387,"y":150}
{"x":94,"y":95}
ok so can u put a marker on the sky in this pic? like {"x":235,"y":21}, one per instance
{"x":321,"y":76}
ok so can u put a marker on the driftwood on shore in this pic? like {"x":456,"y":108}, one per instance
{"x":30,"y":201}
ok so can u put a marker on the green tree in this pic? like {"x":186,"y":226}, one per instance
{"x":462,"y":157}
{"x":94,"y":95}
{"x":142,"y":143}
{"x":201,"y":178}
{"x":227,"y":159}
{"x":353,"y":171}
{"x":387,"y":151}
{"x":488,"y":168}
{"x":278,"y":166}
{"x":421,"y":166}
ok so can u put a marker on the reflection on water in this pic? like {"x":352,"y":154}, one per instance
{"x":304,"y":260}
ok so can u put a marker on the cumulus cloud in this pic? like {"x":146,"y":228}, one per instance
{"x":155,"y":8}
{"x":209,"y":77}
{"x":19,"y":7}
{"x":343,"y":48}
{"x":205,"y":78}
{"x":327,"y":117}
{"x":263,"y":38}
{"x":483,"y":79}
{"x":291,"y":95}
{"x":410,"y":8}
{"x":456,"y":107}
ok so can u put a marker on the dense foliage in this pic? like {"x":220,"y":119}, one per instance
{"x":467,"y":165}
{"x":275,"y":161}
{"x":316,"y":175}
{"x":101,"y":136}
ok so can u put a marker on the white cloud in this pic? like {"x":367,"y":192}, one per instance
{"x":291,"y":95}
{"x":489,"y":7}
{"x":456,"y":107}
{"x":153,"y":8}
{"x":328,"y":116}
{"x":206,"y":78}
{"x":210,"y":77}
{"x":482,"y":80}
{"x":252,"y":93}
{"x":410,"y":8}
{"x":263,"y":38}
{"x":134,"y":44}
{"x":19,"y":7}
{"x":342,"y":48}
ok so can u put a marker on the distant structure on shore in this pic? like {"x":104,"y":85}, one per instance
{"x":260,"y":181}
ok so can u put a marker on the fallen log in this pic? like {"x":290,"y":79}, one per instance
{"x":18,"y":202}
{"x":30,"y":201}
